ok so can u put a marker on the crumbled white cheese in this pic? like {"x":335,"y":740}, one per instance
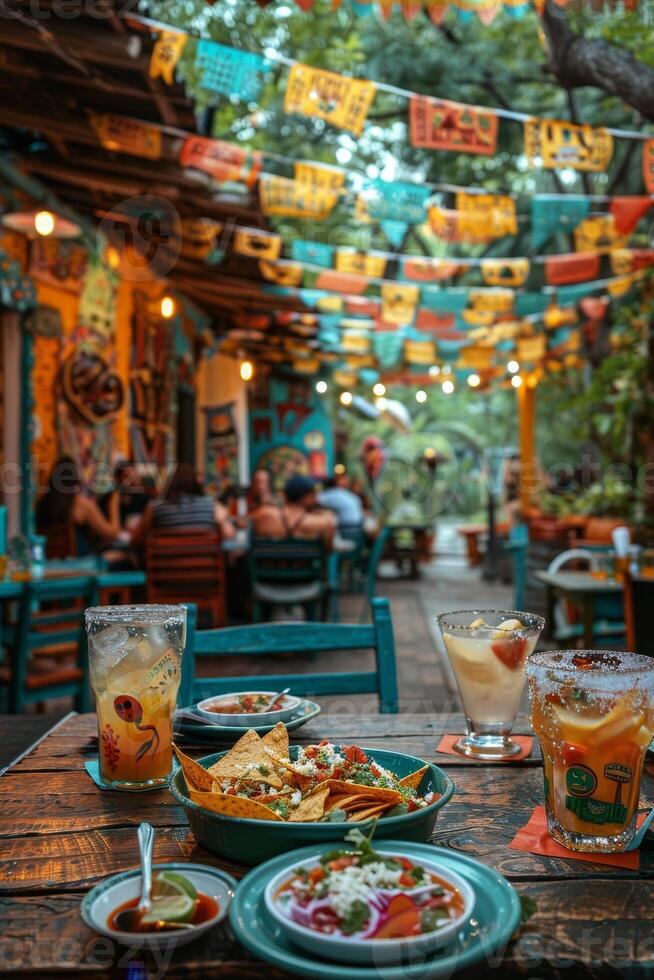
{"x":296,"y":798}
{"x":349,"y":885}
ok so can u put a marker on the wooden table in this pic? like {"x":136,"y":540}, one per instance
{"x":581,"y":589}
{"x":60,"y":835}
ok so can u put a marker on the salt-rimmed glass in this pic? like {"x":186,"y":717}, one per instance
{"x":487,"y":649}
{"x":135,"y":659}
{"x":593,"y":712}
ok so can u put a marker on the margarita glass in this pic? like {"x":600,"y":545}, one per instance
{"x":135,"y":658}
{"x":593,"y":712}
{"x":487,"y":650}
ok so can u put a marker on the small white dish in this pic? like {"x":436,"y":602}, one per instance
{"x":98,"y":905}
{"x":253,"y":719}
{"x":378,"y":952}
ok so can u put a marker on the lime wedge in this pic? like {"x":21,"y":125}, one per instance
{"x":172,"y":883}
{"x":171,"y":908}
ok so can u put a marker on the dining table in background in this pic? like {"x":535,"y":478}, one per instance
{"x":60,"y":835}
{"x":583,"y":590}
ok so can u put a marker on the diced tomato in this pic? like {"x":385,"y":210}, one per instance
{"x":375,"y":770}
{"x":231,"y":791}
{"x":354,"y":754}
{"x":325,"y":741}
{"x":316,"y":875}
{"x":511,"y":651}
{"x":407,"y":881}
{"x":311,"y":752}
{"x":342,"y":862}
{"x":321,"y":765}
{"x":411,"y":805}
{"x":337,"y":772}
{"x":406,"y":864}
{"x":554,"y":698}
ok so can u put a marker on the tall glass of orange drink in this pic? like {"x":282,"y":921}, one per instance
{"x":135,"y":659}
{"x":593,"y":712}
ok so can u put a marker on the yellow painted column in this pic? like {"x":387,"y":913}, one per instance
{"x":526,"y":395}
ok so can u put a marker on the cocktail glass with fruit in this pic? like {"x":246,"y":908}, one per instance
{"x":135,"y":657}
{"x":487,"y":650}
{"x":593,"y":712}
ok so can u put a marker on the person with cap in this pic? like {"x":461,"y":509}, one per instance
{"x":298,"y":517}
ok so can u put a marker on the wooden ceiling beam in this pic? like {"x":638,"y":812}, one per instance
{"x":82,"y":42}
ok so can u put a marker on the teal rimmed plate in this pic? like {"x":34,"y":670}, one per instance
{"x":494,"y":920}
{"x":229,"y":735}
{"x":251,"y":841}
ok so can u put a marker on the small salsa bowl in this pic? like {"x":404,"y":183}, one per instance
{"x":98,"y":904}
{"x":244,"y":718}
{"x":378,"y":952}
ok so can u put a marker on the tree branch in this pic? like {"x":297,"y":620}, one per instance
{"x":621,"y":172}
{"x":577,"y":61}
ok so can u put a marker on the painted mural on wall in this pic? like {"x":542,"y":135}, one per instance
{"x":152,"y":384}
{"x":290,"y":431}
{"x":60,"y":264}
{"x":220,"y":448}
{"x":90,"y":392}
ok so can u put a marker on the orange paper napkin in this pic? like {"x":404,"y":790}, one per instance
{"x":526,"y":742}
{"x":535,"y":839}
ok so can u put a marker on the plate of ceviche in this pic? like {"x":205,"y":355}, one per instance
{"x":264,"y":797}
{"x":395,"y":911}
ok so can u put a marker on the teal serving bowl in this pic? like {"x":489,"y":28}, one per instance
{"x":253,"y":841}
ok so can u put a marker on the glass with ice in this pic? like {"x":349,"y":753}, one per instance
{"x":135,"y":659}
{"x":488,"y":650}
{"x":593,"y":712}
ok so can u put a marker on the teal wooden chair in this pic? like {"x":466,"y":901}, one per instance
{"x":289,"y":572}
{"x":40,"y":641}
{"x":516,"y":545}
{"x":375,"y":556}
{"x":304,"y":638}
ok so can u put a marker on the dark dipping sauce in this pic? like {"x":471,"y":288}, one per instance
{"x":206,"y":909}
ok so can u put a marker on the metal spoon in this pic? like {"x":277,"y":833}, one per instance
{"x":272,"y":700}
{"x":129,"y":920}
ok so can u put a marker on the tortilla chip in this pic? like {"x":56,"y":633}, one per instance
{"x":276,"y":741}
{"x":340,"y":786}
{"x":301,"y":781}
{"x":310,"y":808}
{"x":196,"y":776}
{"x":414,"y":779}
{"x":248,"y":751}
{"x":234,"y":806}
{"x":373,"y":811}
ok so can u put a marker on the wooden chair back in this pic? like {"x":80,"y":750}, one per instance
{"x":302,"y":638}
{"x":287,"y":561}
{"x":48,"y":633}
{"x":187,"y":565}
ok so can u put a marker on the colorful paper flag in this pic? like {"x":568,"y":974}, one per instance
{"x":419,"y":351}
{"x":531,"y":349}
{"x":441,"y":125}
{"x":553,"y":143}
{"x":127,"y":135}
{"x":575,"y":267}
{"x":257,"y":244}
{"x":485,"y":216}
{"x":598,"y":234}
{"x":291,"y":199}
{"x":627,"y":212}
{"x":318,"y":177}
{"x":427,"y":270}
{"x":341,"y":282}
{"x":553,"y":213}
{"x":229,"y":71}
{"x":165,"y":55}
{"x":313,"y":253}
{"x":397,"y":200}
{"x":342,"y":102}
{"x":648,"y":166}
{"x":222,"y":161}
{"x":361,"y":263}
{"x":283,"y":272}
{"x":492,"y":300}
{"x":505,"y":272}
{"x":399,"y":302}
{"x":394,"y":230}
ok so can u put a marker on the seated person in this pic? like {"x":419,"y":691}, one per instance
{"x":184,"y":504}
{"x":66,"y":510}
{"x":297,"y":518}
{"x":343,"y":502}
{"x":260,"y":491}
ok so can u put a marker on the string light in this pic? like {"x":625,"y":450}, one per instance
{"x":44,"y":223}
{"x":167,"y":307}
{"x":513,"y":367}
{"x":321,"y":387}
{"x":434,"y":370}
{"x":247,"y":370}
{"x":112,"y":257}
{"x":446,"y":369}
{"x":516,"y":381}
{"x":381,"y":403}
{"x":421,"y":396}
{"x":346,"y":398}
{"x":339,"y":469}
{"x":447,"y":387}
{"x":474,"y":380}
{"x":379,"y":389}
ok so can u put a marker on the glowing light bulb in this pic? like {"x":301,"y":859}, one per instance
{"x":434,"y":370}
{"x":516,"y":381}
{"x":321,"y":387}
{"x":446,"y":369}
{"x":339,"y":469}
{"x":474,"y":380}
{"x":247,"y":370}
{"x":421,"y":396}
{"x":447,"y":387}
{"x":346,"y":398}
{"x":513,"y":367}
{"x":167,"y":307}
{"x":381,"y":403}
{"x":112,"y":257}
{"x":379,"y":389}
{"x":44,"y":223}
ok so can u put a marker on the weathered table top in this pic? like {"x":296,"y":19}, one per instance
{"x":60,"y":835}
{"x":579,"y":583}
